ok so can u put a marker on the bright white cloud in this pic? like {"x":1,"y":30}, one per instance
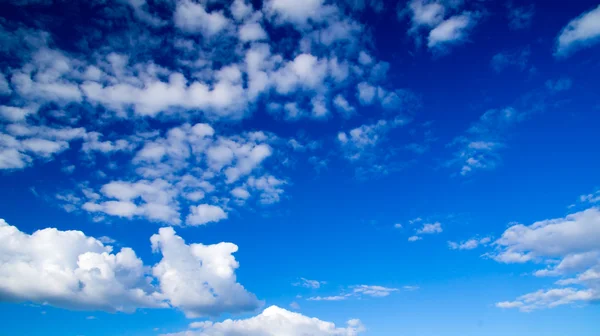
{"x":180,"y":168}
{"x":451,"y":31}
{"x":252,"y":31}
{"x":426,"y":13}
{"x":569,"y":245}
{"x":297,"y":13}
{"x":430,"y":228}
{"x":274,"y":321}
{"x":21,"y":143}
{"x":205,"y":213}
{"x":192,"y":17}
{"x":581,"y":32}
{"x":199,"y":279}
{"x":155,"y":200}
{"x":69,"y":270}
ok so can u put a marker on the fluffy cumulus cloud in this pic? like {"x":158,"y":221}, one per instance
{"x":570,"y":246}
{"x":274,"y":321}
{"x":450,"y":31}
{"x":581,"y":32}
{"x":71,"y":270}
{"x":199,"y":279}
{"x":220,"y":62}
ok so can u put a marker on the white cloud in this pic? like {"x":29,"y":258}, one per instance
{"x":590,"y":198}
{"x":199,"y":279}
{"x":470,"y":244}
{"x":414,"y":238}
{"x":569,"y":245}
{"x":274,"y":321}
{"x":297,"y":13}
{"x":192,"y":17}
{"x":14,"y":114}
{"x":240,"y":193}
{"x":451,"y":31}
{"x":176,"y":170}
{"x":358,"y":291}
{"x":550,"y":299}
{"x":268,"y":186}
{"x":581,"y":32}
{"x":92,"y":143}
{"x":426,"y":13}
{"x":478,"y":148}
{"x":430,"y":228}
{"x":307,"y":283}
{"x":252,"y":31}
{"x":578,"y":232}
{"x":21,"y":143}
{"x":240,"y":9}
{"x":366,"y":93}
{"x":343,"y":106}
{"x":69,"y":270}
{"x":155,"y":200}
{"x":374,"y":291}
{"x":358,"y":142}
{"x":204,"y":213}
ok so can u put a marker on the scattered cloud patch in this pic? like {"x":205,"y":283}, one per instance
{"x":569,"y":245}
{"x":470,"y":244}
{"x":581,"y":32}
{"x":307,"y":283}
{"x":478,"y":148}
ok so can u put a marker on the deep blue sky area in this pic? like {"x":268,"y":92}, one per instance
{"x":294,"y":168}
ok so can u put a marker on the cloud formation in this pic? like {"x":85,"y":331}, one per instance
{"x":571,"y":248}
{"x":581,"y":32}
{"x":274,"y":321}
{"x":70,"y":270}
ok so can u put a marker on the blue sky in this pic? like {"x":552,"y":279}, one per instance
{"x":359,"y":167}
